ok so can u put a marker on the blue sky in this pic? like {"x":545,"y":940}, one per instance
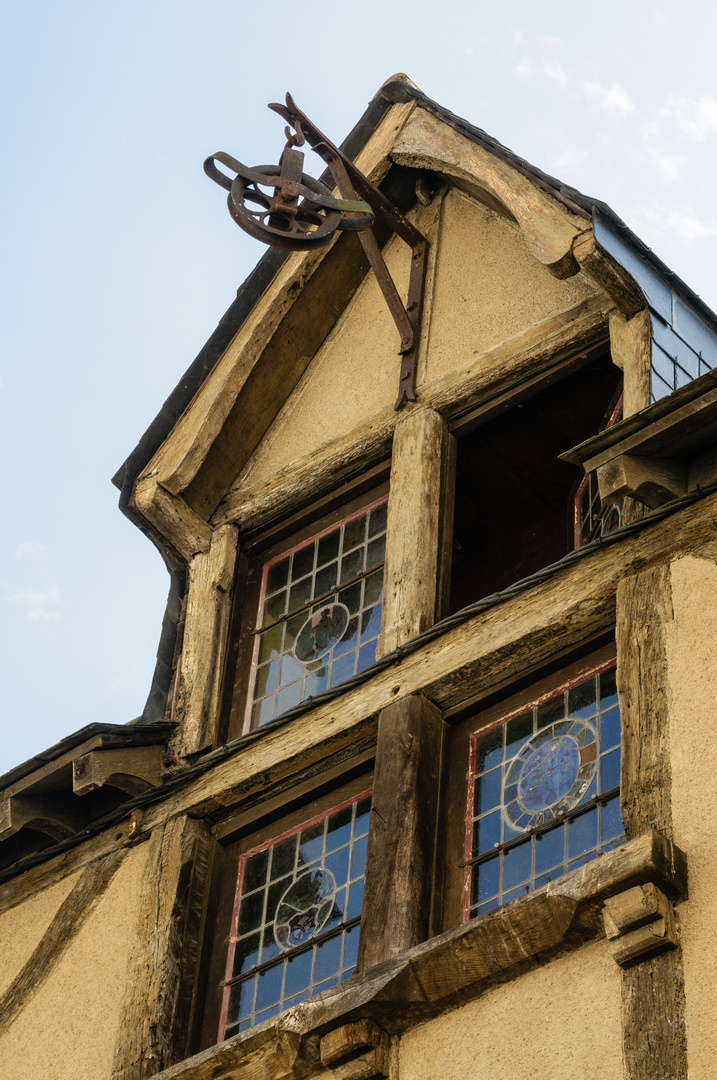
{"x":119,"y":256}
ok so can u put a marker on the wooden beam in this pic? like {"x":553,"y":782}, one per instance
{"x":487,"y":651}
{"x":197,"y":697}
{"x":168,"y":514}
{"x":401,"y":854}
{"x":601,"y":268}
{"x":134,"y":769}
{"x":419,"y":529}
{"x":653,"y":992}
{"x":50,"y":814}
{"x":631,"y":349}
{"x":652,"y":481}
{"x":639,"y":923}
{"x":442,"y":973}
{"x":548,"y":228}
{"x":157,"y":970}
{"x":478,"y":379}
{"x":63,"y":929}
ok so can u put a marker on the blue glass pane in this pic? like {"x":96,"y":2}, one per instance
{"x":288,"y":698}
{"x":514,"y":894}
{"x":608,"y":688}
{"x":610,"y":728}
{"x":350,"y":639}
{"x":343,"y":669}
{"x":549,"y":849}
{"x":269,"y":948}
{"x":267,"y":1014}
{"x":489,"y":905}
{"x":611,"y":823}
{"x":610,"y":770}
{"x":338,"y":910}
{"x":581,"y":861}
{"x":371,"y":623}
{"x":246,"y":954}
{"x":363,"y":813}
{"x":316,"y":682}
{"x":263,"y":711}
{"x":338,"y":864}
{"x":355,"y":900}
{"x":338,"y":830}
{"x":268,"y":989}
{"x":517,"y":865}
{"x":358,"y":858}
{"x":486,"y":833}
{"x":367,"y":656}
{"x":240,"y":1000}
{"x":311,"y":843}
{"x":250,"y":913}
{"x":326,"y":984}
{"x":291,"y":669}
{"x":488,"y":791}
{"x":581,"y":699}
{"x":489,"y":751}
{"x":328,"y":958}
{"x":582,"y":833}
{"x":544,"y":879}
{"x":486,"y":880}
{"x":298,"y":972}
{"x":516,"y":733}
{"x":267,"y":678}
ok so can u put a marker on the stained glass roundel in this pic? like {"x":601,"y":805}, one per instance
{"x":320,"y":632}
{"x":550,"y":774}
{"x":304,"y":908}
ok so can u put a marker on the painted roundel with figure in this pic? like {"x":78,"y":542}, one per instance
{"x":304,"y":908}
{"x":550,"y":774}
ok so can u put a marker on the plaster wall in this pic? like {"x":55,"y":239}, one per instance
{"x":67,"y":1030}
{"x":556,"y":1021}
{"x":22,"y":927}
{"x":692,"y":667}
{"x":487,"y":286}
{"x":483,"y":288}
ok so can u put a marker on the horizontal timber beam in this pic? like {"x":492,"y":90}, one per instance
{"x":479,"y":655}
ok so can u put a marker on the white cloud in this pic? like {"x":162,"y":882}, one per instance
{"x":518,"y":37}
{"x":668,"y":165}
{"x":551,"y":42}
{"x":613,"y":99}
{"x":38,"y":605}
{"x":659,"y":18}
{"x":551,"y":69}
{"x":695,"y":117}
{"x":30,"y":549}
{"x":569,"y":157}
{"x":681,"y":221}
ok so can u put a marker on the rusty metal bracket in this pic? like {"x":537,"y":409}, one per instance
{"x":303,"y":214}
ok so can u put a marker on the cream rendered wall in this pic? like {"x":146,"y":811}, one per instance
{"x":558,"y":1021}
{"x":22,"y":927}
{"x":67,"y":1030}
{"x":486,"y":287}
{"x":692,"y":673}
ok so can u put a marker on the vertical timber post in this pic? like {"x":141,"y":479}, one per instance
{"x":420,"y":527}
{"x":401,"y":852}
{"x":653,"y":991}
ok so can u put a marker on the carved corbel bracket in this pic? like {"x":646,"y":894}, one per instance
{"x":356,"y":1051}
{"x":652,"y":481}
{"x":45,"y":813}
{"x":639,"y":923}
{"x":133,"y":770}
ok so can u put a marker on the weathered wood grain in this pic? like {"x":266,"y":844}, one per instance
{"x":446,"y":971}
{"x":477,"y":379}
{"x":401,"y":854}
{"x":64,"y":927}
{"x":608,"y":274}
{"x":653,"y":992}
{"x":133,"y":769}
{"x":147,"y":1033}
{"x":631,"y":349}
{"x":419,"y":520}
{"x":644,"y":610}
{"x":548,"y":226}
{"x":181,"y":526}
{"x":197,"y":695}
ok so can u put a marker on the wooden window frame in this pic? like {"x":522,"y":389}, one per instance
{"x":233,"y":839}
{"x":493,"y":712}
{"x":260,"y":550}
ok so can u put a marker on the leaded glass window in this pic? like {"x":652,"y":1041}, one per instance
{"x":320,"y":613}
{"x":544,"y":793}
{"x":295,"y":927}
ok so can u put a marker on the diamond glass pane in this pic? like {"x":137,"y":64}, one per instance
{"x":544,"y":793}
{"x":296,"y":917}
{"x":320,"y":614}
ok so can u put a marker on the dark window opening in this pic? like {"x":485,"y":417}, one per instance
{"x":512,"y":491}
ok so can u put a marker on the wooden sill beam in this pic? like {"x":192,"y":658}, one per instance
{"x":444,"y":972}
